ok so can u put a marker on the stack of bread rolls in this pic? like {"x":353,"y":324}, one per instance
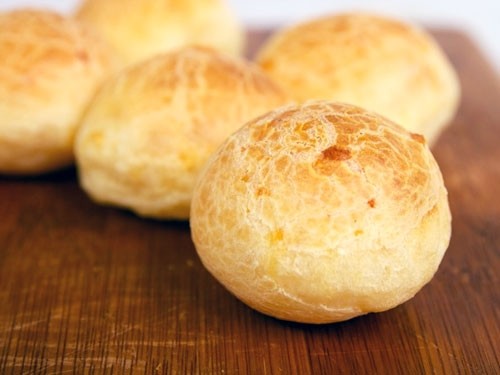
{"x":307,"y":177}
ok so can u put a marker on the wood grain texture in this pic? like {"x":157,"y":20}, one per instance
{"x":89,"y":289}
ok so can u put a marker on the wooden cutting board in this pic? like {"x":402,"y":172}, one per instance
{"x":89,"y":289}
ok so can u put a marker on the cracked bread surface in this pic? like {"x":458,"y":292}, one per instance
{"x":321,"y":212}
{"x":151,"y":128}
{"x":51,"y":67}
{"x":381,"y":64}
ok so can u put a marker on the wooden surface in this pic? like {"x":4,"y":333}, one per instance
{"x":89,"y":289}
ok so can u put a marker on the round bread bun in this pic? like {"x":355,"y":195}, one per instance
{"x":321,"y":212}
{"x":50,"y":68}
{"x":380,"y":64}
{"x":140,"y":29}
{"x":151,"y":129}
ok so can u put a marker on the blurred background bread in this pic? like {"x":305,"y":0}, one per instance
{"x":321,"y":212}
{"x":49,"y":69}
{"x":381,"y":64}
{"x":151,"y":128}
{"x":138,"y":29}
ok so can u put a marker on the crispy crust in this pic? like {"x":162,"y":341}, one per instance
{"x":151,"y":129}
{"x":50,"y":68}
{"x":321,"y":212}
{"x":384,"y":65}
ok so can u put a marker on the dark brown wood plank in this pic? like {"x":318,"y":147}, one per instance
{"x":89,"y":289}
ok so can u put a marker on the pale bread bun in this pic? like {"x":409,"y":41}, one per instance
{"x":380,"y":64}
{"x":321,"y":212}
{"x":140,"y":29}
{"x":50,"y":68}
{"x":150,"y":130}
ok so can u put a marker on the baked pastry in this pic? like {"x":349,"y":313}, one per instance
{"x":380,"y":64}
{"x":321,"y":212}
{"x":151,"y":128}
{"x":49,"y":70}
{"x":138,"y":29}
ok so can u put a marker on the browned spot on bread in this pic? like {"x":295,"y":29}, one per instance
{"x":260,"y":132}
{"x":336,"y":153}
{"x":417,"y":137}
{"x":262,"y":191}
{"x":327,"y":164}
{"x":275,"y":236}
{"x":267,"y":131}
{"x":371,"y":203}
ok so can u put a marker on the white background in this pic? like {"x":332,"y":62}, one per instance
{"x":479,"y":18}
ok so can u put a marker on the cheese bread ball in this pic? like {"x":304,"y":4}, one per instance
{"x":378,"y":63}
{"x":321,"y":212}
{"x":138,"y":29}
{"x":151,"y":128}
{"x":49,"y":70}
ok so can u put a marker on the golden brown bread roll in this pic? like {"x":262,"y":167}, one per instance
{"x":138,"y":29}
{"x":50,"y":67}
{"x":380,"y":64}
{"x":150,"y":130}
{"x":321,"y":212}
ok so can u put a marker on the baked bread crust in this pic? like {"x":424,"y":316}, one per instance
{"x":151,"y":128}
{"x":140,"y":29}
{"x":378,"y":63}
{"x":321,"y":212}
{"x":50,"y":69}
